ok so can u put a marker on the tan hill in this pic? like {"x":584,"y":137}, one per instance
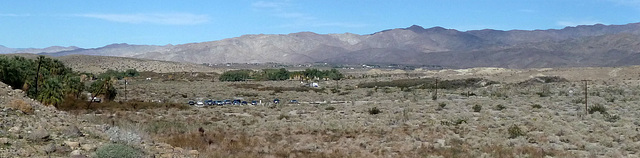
{"x":586,"y":45}
{"x":87,"y":63}
{"x":98,"y":64}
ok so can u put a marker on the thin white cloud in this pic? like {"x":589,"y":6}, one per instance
{"x":576,"y":23}
{"x":163,"y":18}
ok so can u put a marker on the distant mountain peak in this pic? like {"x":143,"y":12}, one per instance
{"x":415,"y":28}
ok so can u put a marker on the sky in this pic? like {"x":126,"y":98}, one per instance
{"x":96,"y":23}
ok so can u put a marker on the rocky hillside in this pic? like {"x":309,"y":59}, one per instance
{"x":30,"y":129}
{"x":585,"y":45}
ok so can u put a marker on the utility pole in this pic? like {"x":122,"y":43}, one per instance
{"x":125,"y":89}
{"x":38,"y":73}
{"x":435,"y":95}
{"x":586,"y":107}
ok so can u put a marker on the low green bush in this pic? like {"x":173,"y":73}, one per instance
{"x":515,"y":131}
{"x":117,"y":151}
{"x":477,"y":108}
{"x":374,"y":111}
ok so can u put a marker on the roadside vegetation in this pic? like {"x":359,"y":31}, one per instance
{"x":280,"y":74}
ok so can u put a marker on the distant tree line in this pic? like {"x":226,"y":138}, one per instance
{"x":280,"y":74}
{"x":51,"y":82}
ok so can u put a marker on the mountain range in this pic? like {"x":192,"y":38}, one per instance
{"x":580,"y":46}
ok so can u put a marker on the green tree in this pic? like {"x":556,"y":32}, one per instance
{"x":235,"y":75}
{"x":104,"y":86}
{"x":334,"y":74}
{"x":52,"y":92}
{"x":16,"y":71}
{"x":73,"y":86}
{"x":132,"y":73}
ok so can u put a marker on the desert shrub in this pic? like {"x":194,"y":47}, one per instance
{"x":456,"y":122}
{"x":163,"y":126}
{"x":330,"y":108}
{"x":500,"y":107}
{"x":22,"y":106}
{"x":117,"y":151}
{"x":515,"y":131}
{"x":283,"y":116}
{"x":335,"y":90}
{"x":247,"y":94}
{"x":477,"y":108}
{"x":118,"y":135}
{"x":578,"y":101}
{"x":610,"y":99}
{"x":543,"y":79}
{"x":611,"y":118}
{"x":441,"y":105}
{"x":369,"y":93}
{"x":429,"y":83}
{"x":536,"y":106}
{"x":374,"y":111}
{"x":72,"y":104}
{"x":598,"y":108}
{"x":460,"y":121}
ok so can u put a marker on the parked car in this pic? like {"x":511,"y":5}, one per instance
{"x":209,"y":102}
{"x":244,"y":103}
{"x":200,"y":103}
{"x":293,"y":102}
{"x":97,"y":100}
{"x":191,"y":102}
{"x":227,"y":101}
{"x":219,"y":102}
{"x":254,"y":102}
{"x":276,"y":101}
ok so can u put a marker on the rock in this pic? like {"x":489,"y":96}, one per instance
{"x":293,"y":113}
{"x":72,"y":132}
{"x":441,"y":142}
{"x":15,"y":129}
{"x":194,"y":153}
{"x":72,"y":145}
{"x":49,"y":148}
{"x":76,"y":153}
{"x":88,"y":147}
{"x":4,"y":141}
{"x":178,"y":149}
{"x":39,"y":135}
{"x":62,"y":149}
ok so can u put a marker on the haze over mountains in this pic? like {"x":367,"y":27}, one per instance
{"x":585,"y":45}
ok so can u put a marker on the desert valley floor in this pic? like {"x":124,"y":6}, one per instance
{"x":524,"y":113}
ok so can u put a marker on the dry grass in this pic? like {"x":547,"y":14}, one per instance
{"x":411,"y":123}
{"x":72,"y":104}
{"x":21,"y":105}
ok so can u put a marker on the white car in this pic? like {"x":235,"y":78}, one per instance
{"x":200,"y":104}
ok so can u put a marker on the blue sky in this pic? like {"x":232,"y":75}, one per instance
{"x":93,"y":23}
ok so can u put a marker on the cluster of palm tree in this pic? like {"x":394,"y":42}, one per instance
{"x":48,"y":80}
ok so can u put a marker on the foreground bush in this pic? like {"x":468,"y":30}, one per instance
{"x":117,"y":151}
{"x":374,"y":111}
